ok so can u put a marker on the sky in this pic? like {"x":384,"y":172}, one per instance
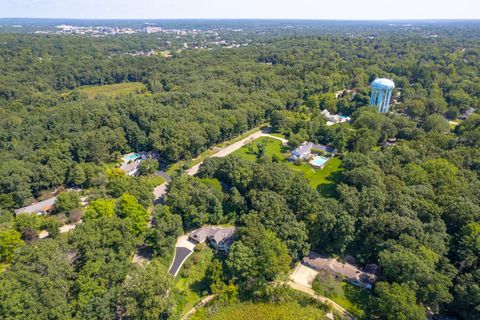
{"x":243,"y":9}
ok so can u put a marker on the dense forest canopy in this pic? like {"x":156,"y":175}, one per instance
{"x":406,"y":196}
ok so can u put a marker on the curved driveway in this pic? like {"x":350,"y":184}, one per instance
{"x":183,"y":249}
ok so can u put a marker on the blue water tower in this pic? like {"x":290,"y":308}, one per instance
{"x":381,"y":94}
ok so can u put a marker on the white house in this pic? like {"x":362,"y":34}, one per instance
{"x":304,"y":151}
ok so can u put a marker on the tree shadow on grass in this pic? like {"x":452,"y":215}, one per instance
{"x":358,"y":297}
{"x":330,"y":189}
{"x":200,"y":287}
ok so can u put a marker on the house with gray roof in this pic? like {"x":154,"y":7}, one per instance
{"x":220,"y":238}
{"x":130,"y":168}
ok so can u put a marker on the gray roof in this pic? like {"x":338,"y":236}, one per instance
{"x":217,"y":234}
{"x":307,"y":146}
{"x":223,"y":234}
{"x":37,"y":207}
{"x":129,"y":167}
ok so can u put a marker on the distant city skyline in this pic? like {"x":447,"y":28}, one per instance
{"x":242,"y":9}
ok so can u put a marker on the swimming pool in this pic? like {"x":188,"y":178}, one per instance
{"x":131,"y":157}
{"x":319,"y":161}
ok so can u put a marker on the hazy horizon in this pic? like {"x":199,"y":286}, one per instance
{"x":352,"y":10}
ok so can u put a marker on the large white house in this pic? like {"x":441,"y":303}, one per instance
{"x":304,"y":151}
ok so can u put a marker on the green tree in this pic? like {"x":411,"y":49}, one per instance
{"x":146,"y":293}
{"x":395,"y":302}
{"x":36,"y":286}
{"x":436,"y":123}
{"x":147,"y":167}
{"x":67,"y":201}
{"x":257,"y":257}
{"x":77,"y":176}
{"x":166,"y":227}
{"x":100,"y":208}
{"x":129,"y":208}
{"x":9,"y":242}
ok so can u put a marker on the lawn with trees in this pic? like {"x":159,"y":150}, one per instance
{"x":404,"y":195}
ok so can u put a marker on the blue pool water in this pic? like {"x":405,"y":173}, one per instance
{"x":132,"y":157}
{"x":344,"y":117}
{"x":319,"y":161}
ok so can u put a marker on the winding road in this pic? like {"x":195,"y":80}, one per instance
{"x":161,"y":190}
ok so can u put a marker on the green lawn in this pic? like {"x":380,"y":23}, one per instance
{"x":262,"y":311}
{"x":113,"y":90}
{"x":352,"y":298}
{"x":323,"y":179}
{"x":190,"y":287}
{"x":213,"y":183}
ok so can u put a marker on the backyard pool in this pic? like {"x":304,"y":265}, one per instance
{"x":131,"y":157}
{"x":319,"y":161}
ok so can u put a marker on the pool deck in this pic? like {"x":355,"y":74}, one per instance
{"x":313,"y":162}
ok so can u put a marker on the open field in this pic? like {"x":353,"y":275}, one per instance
{"x":274,"y":148}
{"x":262,"y":311}
{"x":113,"y":90}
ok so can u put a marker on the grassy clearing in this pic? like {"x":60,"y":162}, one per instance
{"x":190,"y":286}
{"x":323,"y":179}
{"x":352,"y":298}
{"x":262,"y":311}
{"x":152,"y":180}
{"x":113,"y":90}
{"x":213,"y":183}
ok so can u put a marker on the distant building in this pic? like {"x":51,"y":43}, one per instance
{"x":334,"y":118}
{"x":218,"y":237}
{"x":131,"y":162}
{"x":151,"y":29}
{"x":467,"y":113}
{"x":381,"y":94}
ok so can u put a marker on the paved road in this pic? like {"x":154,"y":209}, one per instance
{"x":160,"y":191}
{"x":235,"y":146}
{"x":183,"y":249}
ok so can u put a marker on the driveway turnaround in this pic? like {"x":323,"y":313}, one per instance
{"x":303,"y":275}
{"x":301,"y":280}
{"x":183,"y":249}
